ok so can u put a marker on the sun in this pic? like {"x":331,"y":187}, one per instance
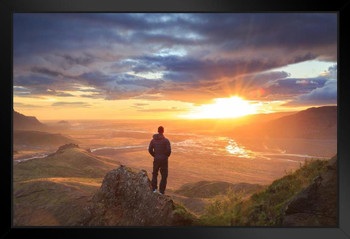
{"x":232,"y":107}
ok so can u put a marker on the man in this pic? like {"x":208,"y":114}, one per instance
{"x":160,"y":149}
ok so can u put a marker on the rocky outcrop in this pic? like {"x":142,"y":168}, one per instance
{"x":126,"y":199}
{"x":317,"y":204}
{"x":66,"y":146}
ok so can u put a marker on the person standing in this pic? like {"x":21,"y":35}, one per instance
{"x":160,"y":149}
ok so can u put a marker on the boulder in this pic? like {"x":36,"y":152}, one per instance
{"x":126,"y":199}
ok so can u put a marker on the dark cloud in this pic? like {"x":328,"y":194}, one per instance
{"x":141,"y":82}
{"x":294,"y":86}
{"x":320,"y":96}
{"x":290,"y":31}
{"x":323,"y":95}
{"x":182,"y":69}
{"x":195,"y":54}
{"x":42,"y":84}
{"x":83,"y":60}
{"x":46,"y":71}
{"x":230,"y":32}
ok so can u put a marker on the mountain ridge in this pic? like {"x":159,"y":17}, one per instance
{"x":312,"y":123}
{"x":24,"y":122}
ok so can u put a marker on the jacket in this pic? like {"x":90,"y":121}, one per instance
{"x":159,"y":147}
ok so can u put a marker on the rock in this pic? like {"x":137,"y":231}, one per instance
{"x":317,"y":204}
{"x":126,"y":199}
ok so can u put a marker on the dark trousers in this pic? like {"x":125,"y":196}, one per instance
{"x":162,"y":165}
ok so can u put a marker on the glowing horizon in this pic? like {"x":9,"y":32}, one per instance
{"x":223,"y":108}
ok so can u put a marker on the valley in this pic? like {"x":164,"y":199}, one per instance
{"x":210,"y":163}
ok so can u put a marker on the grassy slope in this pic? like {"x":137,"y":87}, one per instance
{"x":52,"y":191}
{"x":195,"y":197}
{"x":208,"y":189}
{"x":71,"y":163}
{"x":263,"y":208}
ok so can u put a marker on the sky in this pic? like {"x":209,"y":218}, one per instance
{"x":168,"y":65}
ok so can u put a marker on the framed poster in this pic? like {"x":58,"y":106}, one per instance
{"x":176,"y":119}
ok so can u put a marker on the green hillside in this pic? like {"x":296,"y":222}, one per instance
{"x":263,"y":208}
{"x":209,"y":189}
{"x":53,"y":190}
{"x":73,"y":162}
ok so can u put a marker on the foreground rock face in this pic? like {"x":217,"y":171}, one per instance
{"x":126,"y":199}
{"x":317,"y":205}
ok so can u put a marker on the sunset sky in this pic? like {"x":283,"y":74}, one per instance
{"x":151,"y":65}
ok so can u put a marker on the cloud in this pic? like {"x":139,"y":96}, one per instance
{"x":45,"y":71}
{"x":294,"y":86}
{"x":192,"y":57}
{"x":140,"y":105}
{"x":173,"y":109}
{"x":71,"y":104}
{"x":322,"y":95}
{"x":23,"y":105}
{"x":287,"y":31}
{"x":84,"y":60}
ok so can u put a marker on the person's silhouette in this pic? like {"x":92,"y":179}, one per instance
{"x":160,"y":149}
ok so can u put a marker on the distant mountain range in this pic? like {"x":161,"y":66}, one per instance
{"x":29,"y":131}
{"x":312,"y":123}
{"x":23,"y":122}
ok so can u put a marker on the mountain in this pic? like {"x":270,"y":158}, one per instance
{"x":23,"y":122}
{"x":312,"y":123}
{"x":28,"y":131}
{"x":208,"y":189}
